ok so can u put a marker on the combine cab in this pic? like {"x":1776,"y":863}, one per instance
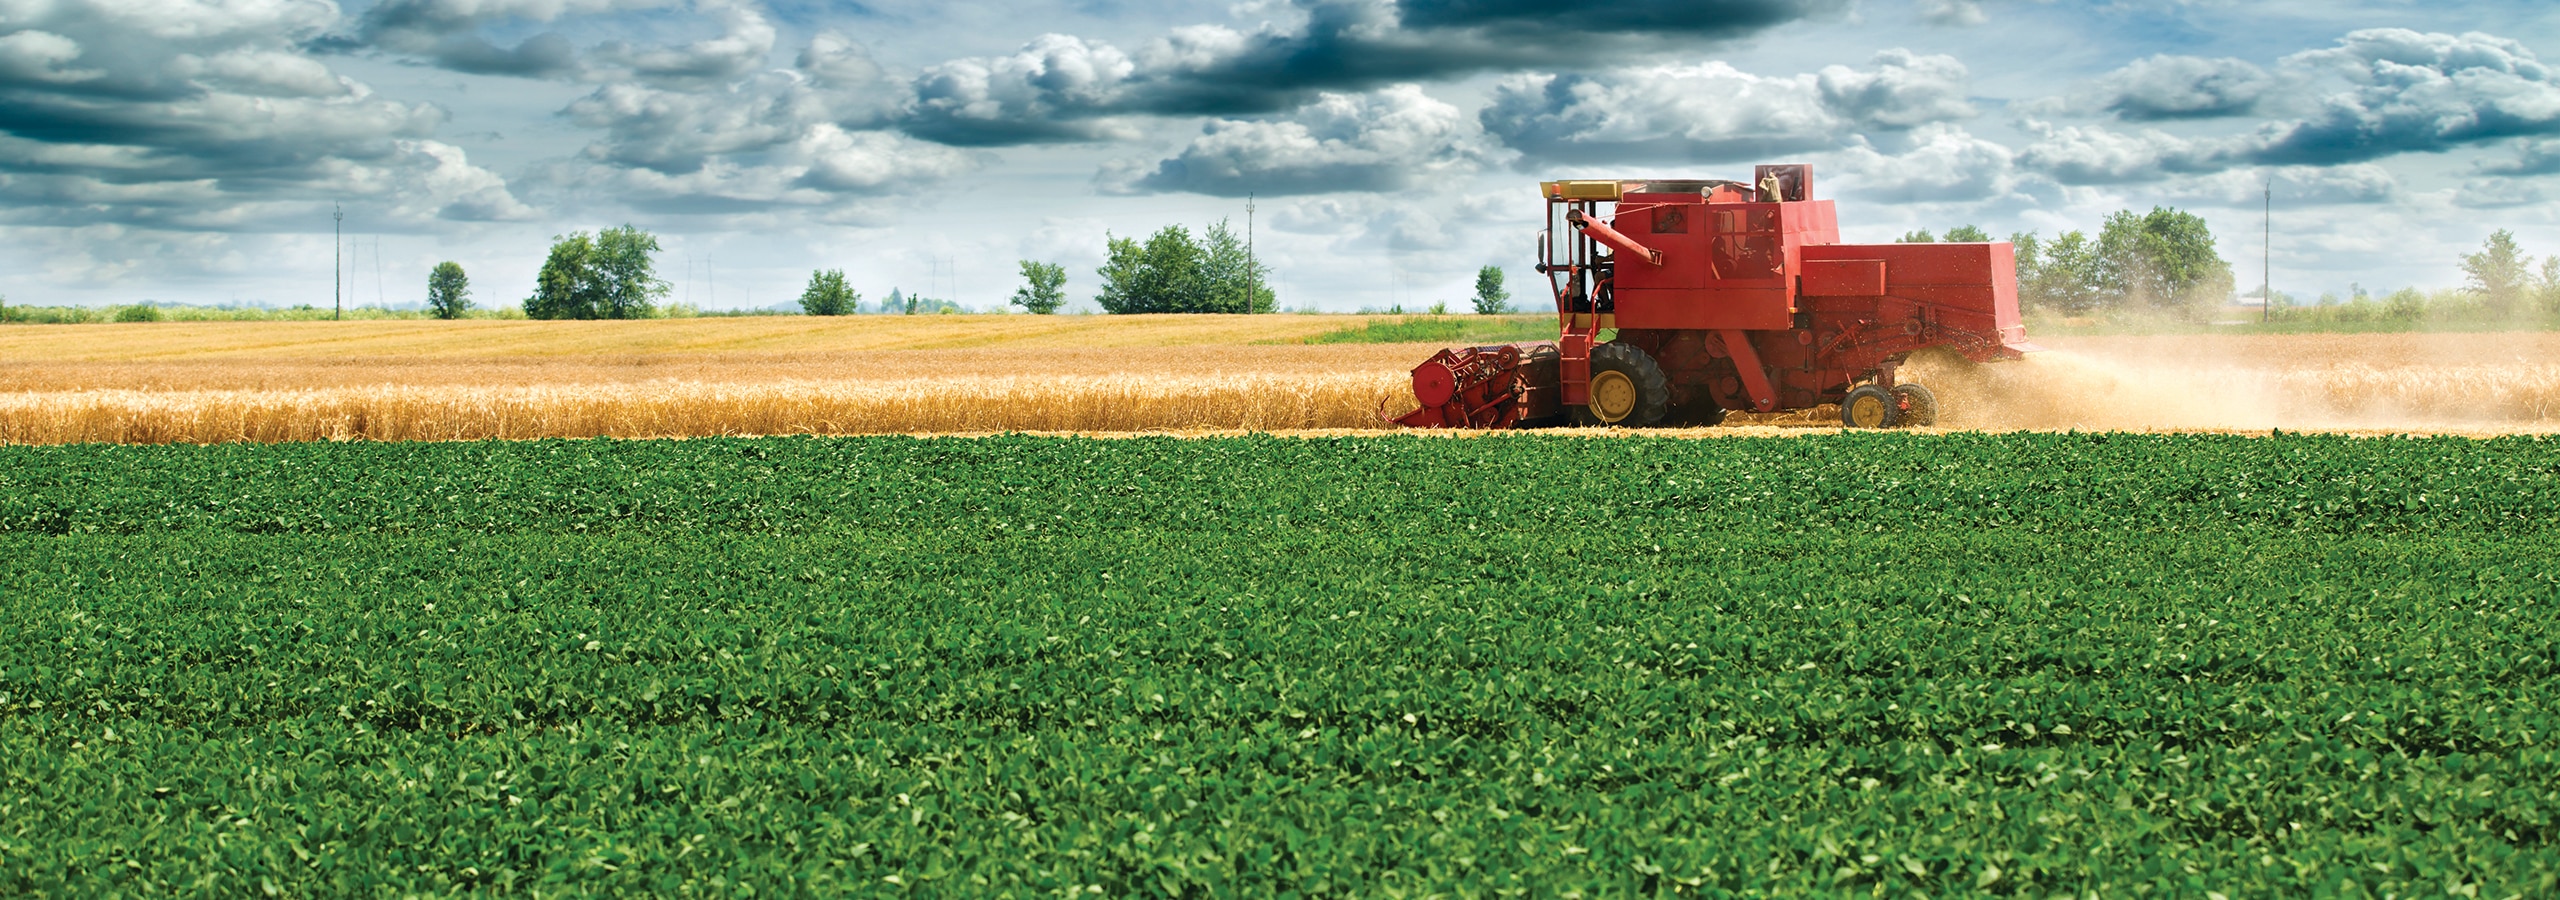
{"x":1716,"y":296}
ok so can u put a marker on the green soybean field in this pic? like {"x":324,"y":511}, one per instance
{"x":1518,"y":665}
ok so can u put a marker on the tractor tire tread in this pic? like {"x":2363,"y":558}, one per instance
{"x":1653,"y":388}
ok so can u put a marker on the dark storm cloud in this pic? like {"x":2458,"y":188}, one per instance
{"x":545,"y":55}
{"x":2417,"y":93}
{"x":2390,"y":92}
{"x":201,"y":115}
{"x":1050,"y":89}
{"x":447,"y":34}
{"x":1545,"y":17}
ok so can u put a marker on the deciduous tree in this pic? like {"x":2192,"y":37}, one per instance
{"x":448,"y":290}
{"x":1043,"y":289}
{"x":626,"y":262}
{"x":2548,"y":286}
{"x":566,"y":286}
{"x":2499,"y":273}
{"x":2063,"y":275}
{"x":2163,"y":259}
{"x":609,"y":276}
{"x":1490,"y":298}
{"x":1231,"y":280}
{"x":827,"y":294}
{"x":1161,"y":276}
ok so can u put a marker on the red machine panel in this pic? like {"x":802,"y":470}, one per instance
{"x":1969,"y":288}
{"x":1844,"y":278}
{"x":1724,"y":265}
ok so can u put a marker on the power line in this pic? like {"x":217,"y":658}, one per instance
{"x":337,"y":262}
{"x":1253,"y":263}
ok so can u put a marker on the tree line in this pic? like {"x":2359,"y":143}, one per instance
{"x":2502,"y":275}
{"x":2161,"y":260}
{"x":1170,"y":272}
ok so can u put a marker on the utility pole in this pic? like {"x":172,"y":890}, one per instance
{"x":2267,"y":256}
{"x":337,"y":262}
{"x":1253,"y":264}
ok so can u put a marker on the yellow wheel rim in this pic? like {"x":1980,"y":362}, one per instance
{"x":1867,"y":410}
{"x":1613,"y":396}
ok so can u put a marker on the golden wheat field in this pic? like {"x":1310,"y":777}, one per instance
{"x":400,"y":380}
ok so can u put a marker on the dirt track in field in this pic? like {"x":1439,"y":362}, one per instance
{"x":178,"y":382}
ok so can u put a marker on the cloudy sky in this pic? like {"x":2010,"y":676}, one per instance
{"x":192,"y":150}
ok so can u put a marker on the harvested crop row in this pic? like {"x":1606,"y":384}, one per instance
{"x":693,"y":409}
{"x":2469,"y":384}
{"x":285,"y":373}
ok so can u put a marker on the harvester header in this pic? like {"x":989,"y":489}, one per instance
{"x":1680,"y":299}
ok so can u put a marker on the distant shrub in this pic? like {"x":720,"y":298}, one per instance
{"x":138,"y":313}
{"x":2404,"y":305}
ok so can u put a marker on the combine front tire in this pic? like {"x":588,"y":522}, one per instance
{"x":1869,"y":406}
{"x":1627,"y":387}
{"x":1918,"y":407}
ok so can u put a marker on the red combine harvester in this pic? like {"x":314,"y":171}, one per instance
{"x":1725,"y":296}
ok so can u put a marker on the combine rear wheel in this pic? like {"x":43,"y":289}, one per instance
{"x":1627,"y":387}
{"x":1869,"y":406}
{"x":1918,"y":407}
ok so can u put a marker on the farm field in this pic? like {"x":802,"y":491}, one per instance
{"x":408,"y":380}
{"x":2012,"y":664}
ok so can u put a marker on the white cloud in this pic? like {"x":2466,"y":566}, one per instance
{"x":1903,"y":90}
{"x":1051,"y":89}
{"x":1379,"y":141}
{"x":838,"y":160}
{"x":210,"y":115}
{"x":2179,"y":87}
{"x":2540,"y":157}
{"x":745,"y":41}
{"x":2400,"y":92}
{"x":41,"y":56}
{"x":1942,"y":163}
{"x":2499,"y":193}
{"x":1707,"y":111}
{"x":2077,"y":155}
{"x":821,"y":167}
{"x":677,"y":130}
{"x":2294,"y":186}
{"x":2415,"y":92}
{"x":446,"y":33}
{"x":1713,"y":112}
{"x":801,"y":137}
{"x":426,"y":180}
{"x":1952,"y":12}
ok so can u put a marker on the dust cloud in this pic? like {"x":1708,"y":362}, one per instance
{"x":2432,"y":383}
